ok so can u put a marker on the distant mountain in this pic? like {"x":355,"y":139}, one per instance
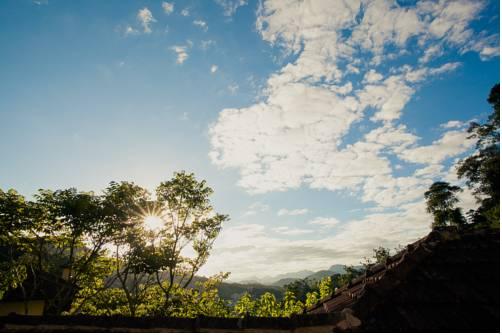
{"x":284,"y":281}
{"x":287,"y":278}
{"x":269,"y":280}
{"x":338,"y":269}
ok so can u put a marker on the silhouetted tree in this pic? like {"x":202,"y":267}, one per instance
{"x":441,"y":199}
{"x":482,"y":169}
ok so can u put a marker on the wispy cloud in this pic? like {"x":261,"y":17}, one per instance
{"x":146,"y":18}
{"x":206,"y":44}
{"x":292,"y":212}
{"x":287,"y":147}
{"x":181,"y":53}
{"x":256,"y":208}
{"x":326,"y":222}
{"x":233,"y":88}
{"x":231,"y":6}
{"x":168,"y":7}
{"x":214,"y":68}
{"x":200,"y":23}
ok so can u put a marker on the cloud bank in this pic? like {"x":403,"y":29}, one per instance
{"x":353,"y":62}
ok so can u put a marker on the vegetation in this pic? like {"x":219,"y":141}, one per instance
{"x":440,"y":203}
{"x":481,"y":171}
{"x":115,"y":263}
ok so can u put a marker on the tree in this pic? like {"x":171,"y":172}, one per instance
{"x":245,"y":305}
{"x":312,"y":299}
{"x":440,"y":200}
{"x":482,"y":169}
{"x":14,"y":222}
{"x":189,"y":228}
{"x":290,"y":305}
{"x":267,"y":306}
{"x":301,"y":287}
{"x":380,"y":256}
{"x":351,"y":272}
{"x":326,"y":287}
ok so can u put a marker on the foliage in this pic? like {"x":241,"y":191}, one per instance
{"x":326,"y":287}
{"x":102,"y":246}
{"x":268,"y":306}
{"x":188,"y":224}
{"x":312,"y":299}
{"x":482,"y":169}
{"x":301,"y":287}
{"x":290,"y":305}
{"x":440,"y":200}
{"x":244,"y":306}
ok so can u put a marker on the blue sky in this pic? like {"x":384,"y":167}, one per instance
{"x":319,"y":124}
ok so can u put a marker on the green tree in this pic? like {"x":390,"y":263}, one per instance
{"x":245,"y":305}
{"x":440,"y":200}
{"x":267,"y":306}
{"x":482,"y":169}
{"x":301,"y":287}
{"x":190,"y":227}
{"x":14,"y":222}
{"x":291,"y":305}
{"x":312,"y":299}
{"x":326,"y":287}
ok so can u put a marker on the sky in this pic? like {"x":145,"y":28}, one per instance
{"x":319,"y":124}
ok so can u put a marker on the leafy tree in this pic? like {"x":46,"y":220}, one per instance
{"x":290,"y":305}
{"x":351,"y":272}
{"x":189,"y":227}
{"x":482,"y":169}
{"x":267,"y":306}
{"x":301,"y":287}
{"x":381,"y":254}
{"x":312,"y":299}
{"x":14,"y":222}
{"x":245,"y":305}
{"x":326,"y":287}
{"x":441,"y":199}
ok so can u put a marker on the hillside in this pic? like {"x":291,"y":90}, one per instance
{"x":287,"y":278}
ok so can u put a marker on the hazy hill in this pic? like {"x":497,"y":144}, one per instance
{"x":286,"y":278}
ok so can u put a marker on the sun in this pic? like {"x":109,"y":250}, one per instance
{"x":153,"y":222}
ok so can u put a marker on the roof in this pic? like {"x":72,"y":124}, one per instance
{"x":448,"y":280}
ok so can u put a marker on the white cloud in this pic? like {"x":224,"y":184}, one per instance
{"x":451,"y":144}
{"x":168,"y":7}
{"x":452,"y":124}
{"x":292,"y":212}
{"x":185,"y":12}
{"x":256,"y":208}
{"x":372,"y":76}
{"x":448,"y":67}
{"x":214,"y":68}
{"x":284,"y":230}
{"x":326,"y":222}
{"x":181,"y":53}
{"x":231,"y":6}
{"x":206,"y":44}
{"x":146,"y":18}
{"x":201,"y":24}
{"x":300,"y":126}
{"x":308,"y":127}
{"x":233,"y":88}
{"x":433,"y":51}
{"x":130,"y":31}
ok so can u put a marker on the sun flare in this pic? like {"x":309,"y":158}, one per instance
{"x":153,"y":222}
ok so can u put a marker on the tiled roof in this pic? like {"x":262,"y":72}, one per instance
{"x":448,"y":280}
